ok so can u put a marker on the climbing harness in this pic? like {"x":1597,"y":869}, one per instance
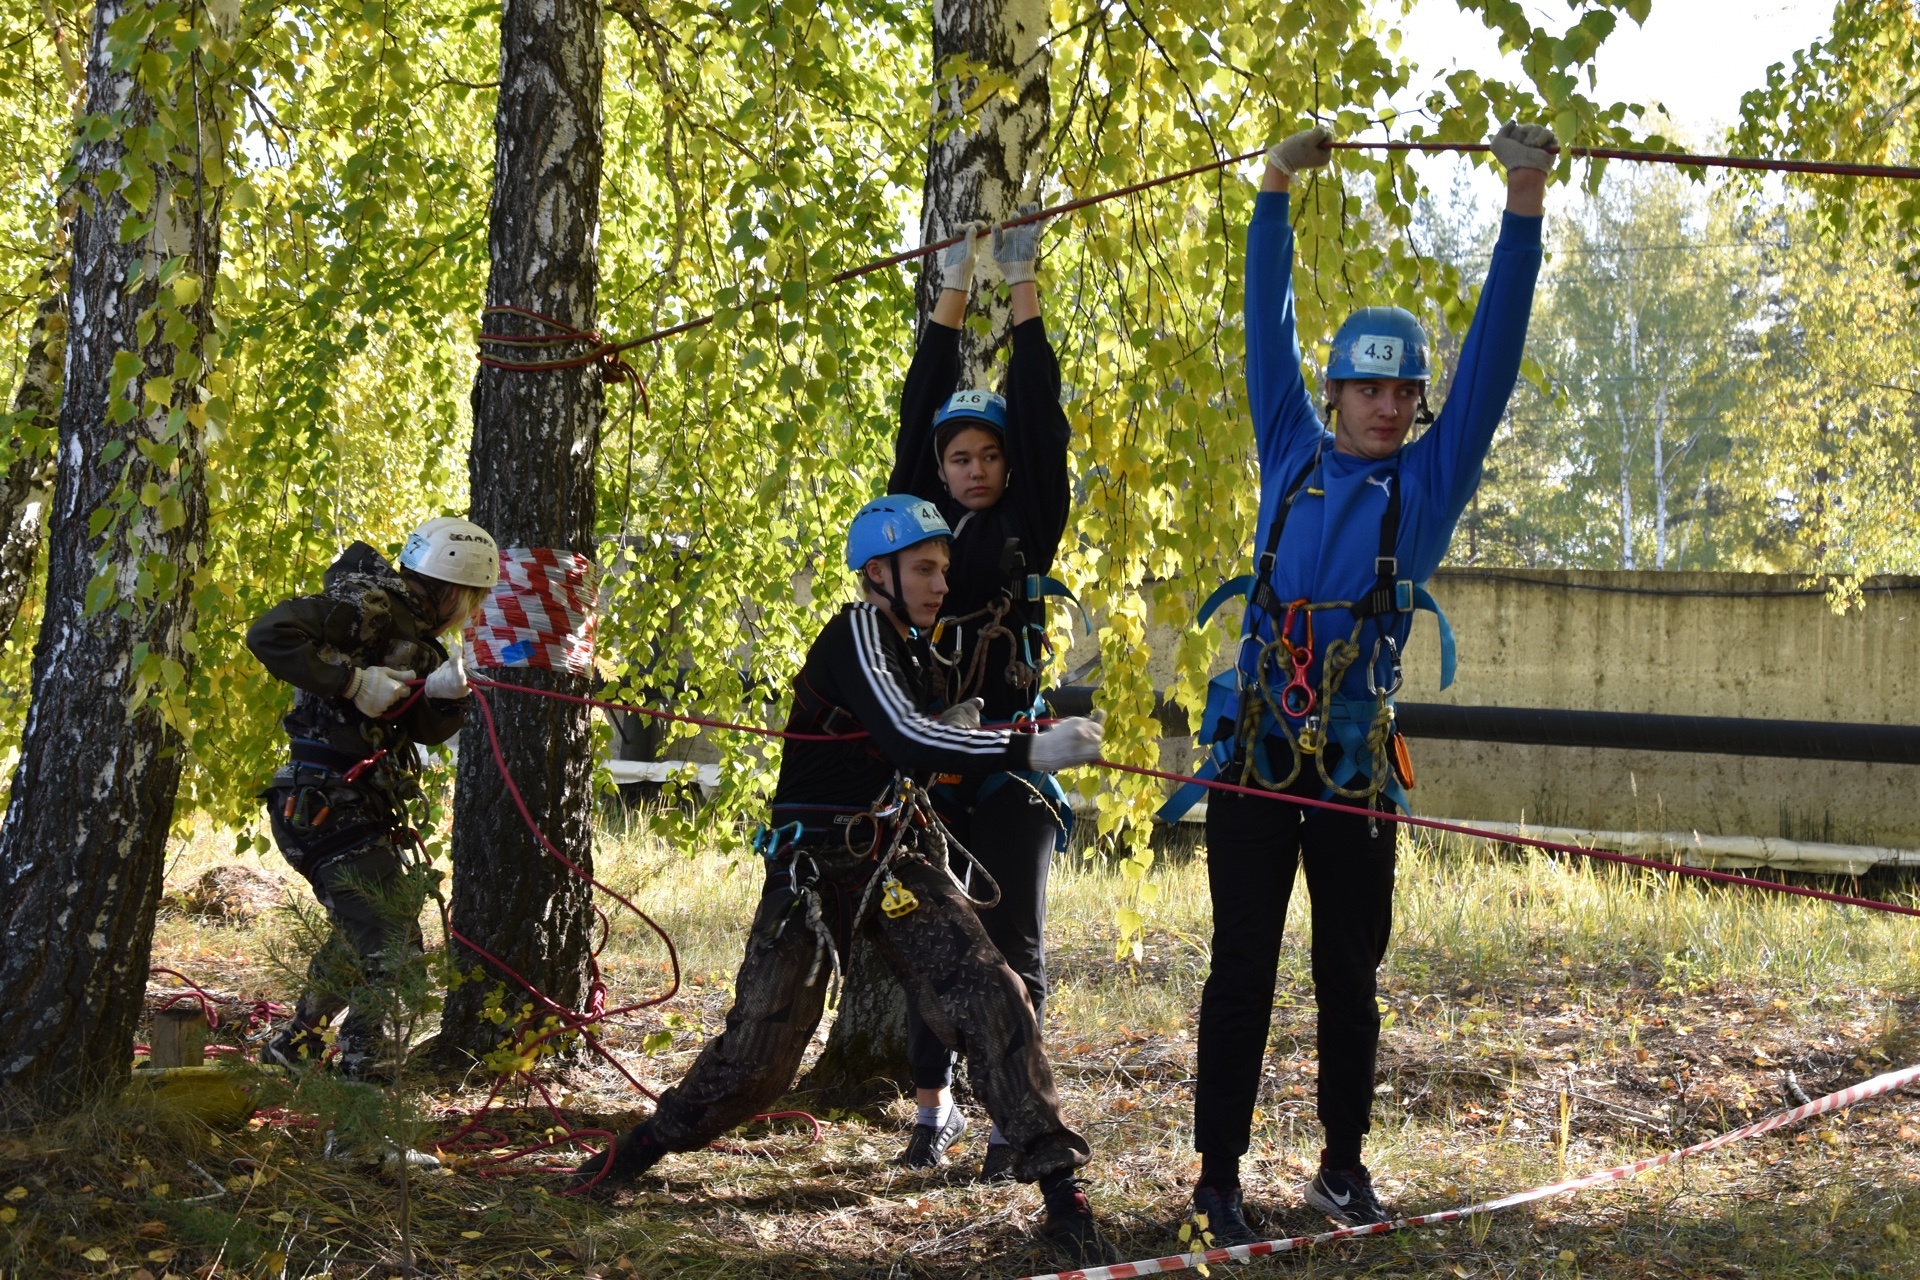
{"x":1354,"y":743}
{"x":1032,"y":648}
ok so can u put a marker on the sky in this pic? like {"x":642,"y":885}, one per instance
{"x":1695,"y":57}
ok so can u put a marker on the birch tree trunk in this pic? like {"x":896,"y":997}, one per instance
{"x":983,"y":169}
{"x":29,"y":476}
{"x":84,"y":841}
{"x":531,"y":472}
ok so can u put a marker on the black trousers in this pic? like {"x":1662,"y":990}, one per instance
{"x":1012,"y":833}
{"x":1253,"y":846}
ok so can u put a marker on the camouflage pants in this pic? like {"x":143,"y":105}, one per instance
{"x":356,"y":882}
{"x":955,"y":980}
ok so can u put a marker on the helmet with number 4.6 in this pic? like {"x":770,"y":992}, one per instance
{"x":449,"y":549}
{"x":1379,"y":342}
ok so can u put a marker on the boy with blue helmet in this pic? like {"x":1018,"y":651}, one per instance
{"x":847,"y":853}
{"x":996,"y":466}
{"x":1352,"y":519}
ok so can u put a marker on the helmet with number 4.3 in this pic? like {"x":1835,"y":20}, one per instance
{"x":1379,"y":342}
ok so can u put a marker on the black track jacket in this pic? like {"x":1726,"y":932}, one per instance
{"x":1034,"y":508}
{"x":862,"y":674}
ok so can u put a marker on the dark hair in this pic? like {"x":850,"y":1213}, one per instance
{"x":948,"y":430}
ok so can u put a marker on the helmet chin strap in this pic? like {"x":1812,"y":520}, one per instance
{"x":890,"y":591}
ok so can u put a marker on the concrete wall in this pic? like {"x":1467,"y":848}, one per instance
{"x":1709,"y":644}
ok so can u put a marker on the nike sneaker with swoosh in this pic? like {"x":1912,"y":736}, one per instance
{"x":1346,"y":1196}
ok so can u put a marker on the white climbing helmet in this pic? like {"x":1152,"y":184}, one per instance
{"x":449,"y":549}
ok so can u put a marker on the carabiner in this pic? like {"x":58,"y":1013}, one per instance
{"x":1373,"y":664}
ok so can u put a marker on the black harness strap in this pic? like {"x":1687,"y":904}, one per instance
{"x":1385,"y":596}
{"x":1264,"y":597}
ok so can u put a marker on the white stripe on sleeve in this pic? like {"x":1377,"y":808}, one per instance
{"x":899,"y":708}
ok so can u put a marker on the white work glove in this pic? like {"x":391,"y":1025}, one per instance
{"x":449,"y":679}
{"x":957,"y":259}
{"x":1307,"y":149}
{"x":1070,"y":742}
{"x":964,"y":715}
{"x":1015,"y":248}
{"x":375,"y":689}
{"x":1524,"y":146}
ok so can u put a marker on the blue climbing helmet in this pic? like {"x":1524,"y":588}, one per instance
{"x":1379,"y":342}
{"x":892,"y":524}
{"x":984,"y":408}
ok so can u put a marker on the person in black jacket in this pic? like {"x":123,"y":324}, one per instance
{"x":849,"y":850}
{"x":996,"y":467}
{"x":349,"y":653}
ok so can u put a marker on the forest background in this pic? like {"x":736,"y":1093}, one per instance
{"x":1724,"y":374}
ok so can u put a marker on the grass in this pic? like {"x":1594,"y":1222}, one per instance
{"x":1542,"y":1018}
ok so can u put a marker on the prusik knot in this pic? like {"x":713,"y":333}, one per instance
{"x":558,"y":336}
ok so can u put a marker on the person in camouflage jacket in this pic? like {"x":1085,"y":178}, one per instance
{"x":335,"y":808}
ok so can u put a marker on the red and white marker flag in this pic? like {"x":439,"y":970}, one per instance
{"x":540,"y":614}
{"x":1620,"y":1173}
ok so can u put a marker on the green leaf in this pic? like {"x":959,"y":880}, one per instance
{"x":172,"y":514}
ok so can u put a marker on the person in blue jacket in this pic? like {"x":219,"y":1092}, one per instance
{"x":1352,"y":519}
{"x":996,"y":467}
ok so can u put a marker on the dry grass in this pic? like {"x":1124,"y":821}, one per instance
{"x":1541,"y":1018}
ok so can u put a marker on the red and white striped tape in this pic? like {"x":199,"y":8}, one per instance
{"x":1245,"y":1252}
{"x":540,"y":614}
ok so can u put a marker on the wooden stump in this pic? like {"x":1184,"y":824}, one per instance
{"x":179,"y":1037}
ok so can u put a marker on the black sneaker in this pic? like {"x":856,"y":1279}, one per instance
{"x":1219,"y":1221}
{"x":1070,"y":1228}
{"x":294,"y":1047}
{"x":1346,"y":1196}
{"x":634,"y":1154}
{"x":928,"y":1147}
{"x":998,"y":1166}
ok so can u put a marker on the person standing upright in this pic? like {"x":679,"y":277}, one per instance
{"x":1353,"y":519}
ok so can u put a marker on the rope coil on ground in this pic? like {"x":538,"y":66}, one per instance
{"x":1878,"y":1085}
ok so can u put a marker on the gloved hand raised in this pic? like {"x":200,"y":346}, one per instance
{"x":964,"y":715}
{"x":375,"y":689}
{"x":1307,"y":149}
{"x":1073,"y":741}
{"x":1016,"y":248}
{"x":449,"y":679}
{"x":957,"y":259}
{"x":1524,"y":146}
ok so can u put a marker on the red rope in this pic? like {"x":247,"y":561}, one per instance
{"x":483,"y":683}
{"x":1830,"y":168}
{"x":601,"y":349}
{"x":1432,"y":824}
{"x":1675,"y":868}
{"x":568,"y":1021}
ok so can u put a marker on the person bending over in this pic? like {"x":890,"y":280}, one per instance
{"x":996,"y":467}
{"x":843,"y":860}
{"x":1352,"y":518}
{"x":348,"y":653}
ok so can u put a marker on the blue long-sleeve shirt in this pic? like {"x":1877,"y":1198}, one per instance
{"x":1328,"y":545}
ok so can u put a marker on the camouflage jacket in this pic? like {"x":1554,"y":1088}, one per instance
{"x":363,"y":617}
